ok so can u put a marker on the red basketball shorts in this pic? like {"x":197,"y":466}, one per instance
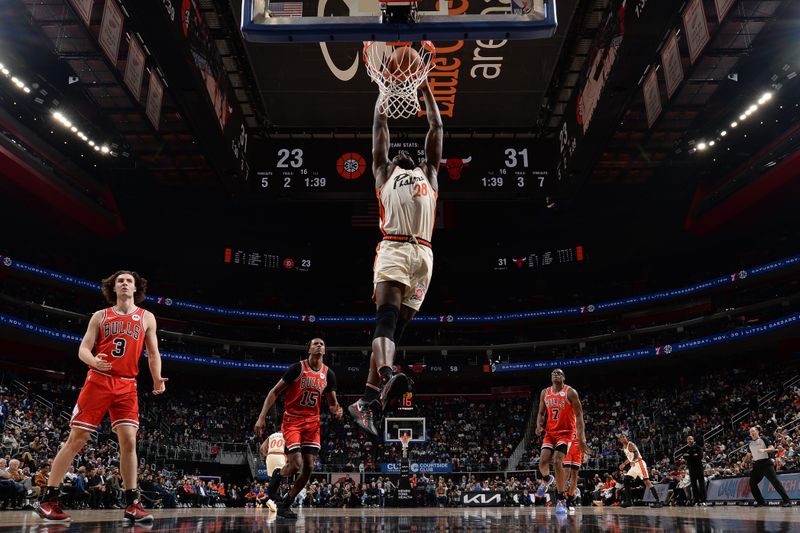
{"x":101,"y":394}
{"x":301,"y":432}
{"x":554,"y":439}
{"x":574,"y":455}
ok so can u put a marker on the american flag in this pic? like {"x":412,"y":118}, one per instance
{"x":286,"y":9}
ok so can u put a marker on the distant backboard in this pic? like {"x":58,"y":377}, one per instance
{"x":394,"y":427}
{"x":269,"y":21}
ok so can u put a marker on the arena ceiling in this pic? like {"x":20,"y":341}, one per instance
{"x":225,"y":100}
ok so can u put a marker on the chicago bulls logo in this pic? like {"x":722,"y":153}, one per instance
{"x":455,"y":165}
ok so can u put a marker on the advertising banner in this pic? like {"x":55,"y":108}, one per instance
{"x":418,"y":468}
{"x":738,"y":488}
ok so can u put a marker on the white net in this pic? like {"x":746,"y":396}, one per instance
{"x":398,"y":83}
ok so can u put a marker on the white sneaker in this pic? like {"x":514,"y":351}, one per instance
{"x":271,"y":506}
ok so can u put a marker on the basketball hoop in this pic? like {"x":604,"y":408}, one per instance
{"x":405,"y":438}
{"x":398,"y":84}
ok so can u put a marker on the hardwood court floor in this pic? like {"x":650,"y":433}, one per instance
{"x":502,"y":519}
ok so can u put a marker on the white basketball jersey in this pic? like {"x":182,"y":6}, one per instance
{"x":276,"y":457}
{"x":408,"y":204}
{"x":629,"y":453}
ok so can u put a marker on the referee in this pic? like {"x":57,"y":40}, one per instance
{"x":762,"y":467}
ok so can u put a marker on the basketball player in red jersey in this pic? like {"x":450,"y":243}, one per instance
{"x":562,"y":407}
{"x":304,"y":382}
{"x":116,"y":335}
{"x":407,"y":195}
{"x":573,"y":461}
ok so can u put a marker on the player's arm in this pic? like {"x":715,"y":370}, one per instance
{"x":330,"y":393}
{"x":380,"y":146}
{"x":269,"y":401}
{"x":540,"y":415}
{"x":153,"y":355}
{"x":87,"y":344}
{"x":577,"y":408}
{"x":433,"y":141}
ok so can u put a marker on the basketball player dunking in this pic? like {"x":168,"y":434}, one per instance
{"x":562,"y":407}
{"x":638,"y":469}
{"x":117,"y":335}
{"x":407,"y":195}
{"x":304,"y":382}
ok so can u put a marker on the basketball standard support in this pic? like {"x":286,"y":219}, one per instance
{"x":537,"y":22}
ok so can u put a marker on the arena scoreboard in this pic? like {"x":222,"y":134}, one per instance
{"x":337,"y":169}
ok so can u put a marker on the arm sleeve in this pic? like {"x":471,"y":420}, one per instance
{"x":331,"y":378}
{"x":292,"y":373}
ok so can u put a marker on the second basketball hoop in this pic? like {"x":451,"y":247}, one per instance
{"x":399,"y":69}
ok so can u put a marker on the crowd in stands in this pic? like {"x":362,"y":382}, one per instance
{"x":474,"y":435}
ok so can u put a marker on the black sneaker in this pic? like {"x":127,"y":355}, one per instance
{"x":657,"y":505}
{"x":760,"y":504}
{"x":395,"y":387}
{"x":362,"y":414}
{"x":786,"y":504}
{"x":625,"y":504}
{"x":286,"y":512}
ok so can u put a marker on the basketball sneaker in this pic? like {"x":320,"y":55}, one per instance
{"x":271,"y":506}
{"x":284,"y":511}
{"x":51,"y":510}
{"x":397,"y":385}
{"x":543,"y":486}
{"x":137,"y":513}
{"x":657,"y":505}
{"x":561,"y":507}
{"x":362,"y":414}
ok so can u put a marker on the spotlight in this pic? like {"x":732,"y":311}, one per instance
{"x":765,"y":97}
{"x":91,"y":143}
{"x":74,"y":129}
{"x":26,"y":89}
{"x":701,"y":146}
{"x":4,"y":71}
{"x":742,"y":117}
{"x":712,"y":143}
{"x":104,"y":149}
{"x":723,"y":133}
{"x":752,"y":108}
{"x":734,"y":124}
{"x":96,"y":147}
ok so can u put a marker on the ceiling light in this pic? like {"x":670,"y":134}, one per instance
{"x":752,"y":108}
{"x":26,"y":89}
{"x":742,"y":117}
{"x":712,"y":143}
{"x":734,"y":124}
{"x":74,"y":129}
{"x":723,"y":133}
{"x":104,"y":149}
{"x":96,"y":147}
{"x":4,"y":71}
{"x":765,"y":97}
{"x":701,"y":146}
{"x":91,"y":143}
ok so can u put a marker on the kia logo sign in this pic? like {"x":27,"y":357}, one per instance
{"x":483,"y":499}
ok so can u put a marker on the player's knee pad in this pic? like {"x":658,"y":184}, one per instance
{"x":386,"y":321}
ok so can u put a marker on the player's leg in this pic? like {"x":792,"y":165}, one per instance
{"x":128,"y":464}
{"x":124,"y":414}
{"x":561,"y":475}
{"x":647,"y":484}
{"x":90,"y":408}
{"x":304,"y":462}
{"x":545,"y":458}
{"x":388,"y":300}
{"x":293,"y":462}
{"x":398,"y":383}
{"x":573,"y":483}
{"x":50,"y":507}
